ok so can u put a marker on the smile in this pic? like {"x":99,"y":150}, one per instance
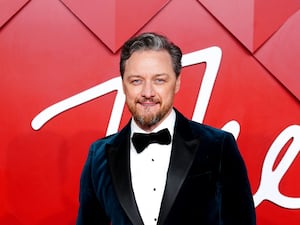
{"x":147,"y":104}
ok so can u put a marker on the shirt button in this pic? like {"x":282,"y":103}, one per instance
{"x":154,"y":189}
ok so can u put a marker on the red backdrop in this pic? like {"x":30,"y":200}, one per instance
{"x":60,"y":59}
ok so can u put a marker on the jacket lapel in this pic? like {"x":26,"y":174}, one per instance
{"x":118,"y":161}
{"x":184,"y":149}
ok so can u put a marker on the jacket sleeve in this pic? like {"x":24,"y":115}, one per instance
{"x":90,"y":211}
{"x":237,"y":200}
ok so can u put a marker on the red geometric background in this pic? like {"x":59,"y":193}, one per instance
{"x":51,"y":50}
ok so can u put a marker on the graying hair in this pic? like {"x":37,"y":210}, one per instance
{"x":151,"y":41}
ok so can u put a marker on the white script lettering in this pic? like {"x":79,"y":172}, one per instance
{"x":268,"y":189}
{"x":269,"y":184}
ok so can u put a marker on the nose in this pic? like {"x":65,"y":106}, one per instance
{"x":148,"y":90}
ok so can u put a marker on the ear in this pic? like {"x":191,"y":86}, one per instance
{"x":177,"y":85}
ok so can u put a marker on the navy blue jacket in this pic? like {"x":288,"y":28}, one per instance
{"x":207,"y":182}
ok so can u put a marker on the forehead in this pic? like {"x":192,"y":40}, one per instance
{"x":149,"y":59}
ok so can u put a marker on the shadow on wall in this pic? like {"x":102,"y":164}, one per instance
{"x":43,"y":172}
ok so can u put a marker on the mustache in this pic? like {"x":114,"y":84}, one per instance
{"x":151,"y":100}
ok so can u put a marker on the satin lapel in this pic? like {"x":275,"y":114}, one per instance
{"x":184,"y":150}
{"x":118,"y":161}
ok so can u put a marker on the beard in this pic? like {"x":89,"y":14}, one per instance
{"x":149,"y":120}
{"x":145,"y":118}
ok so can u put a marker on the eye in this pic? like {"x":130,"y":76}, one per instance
{"x":160,"y":81}
{"x":136,"y":81}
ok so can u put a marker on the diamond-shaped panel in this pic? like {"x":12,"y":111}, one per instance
{"x":280,"y":55}
{"x":114,"y":21}
{"x":8,"y":8}
{"x":252,"y":22}
{"x":268,"y":31}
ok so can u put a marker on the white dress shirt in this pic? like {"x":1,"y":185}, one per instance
{"x":149,"y":172}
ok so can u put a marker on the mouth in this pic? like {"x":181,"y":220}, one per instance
{"x":147,"y":104}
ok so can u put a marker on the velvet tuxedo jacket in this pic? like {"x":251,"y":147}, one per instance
{"x":207,"y":182}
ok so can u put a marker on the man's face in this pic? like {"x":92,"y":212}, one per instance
{"x":150,"y":83}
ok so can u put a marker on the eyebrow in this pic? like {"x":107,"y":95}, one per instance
{"x":156,"y":75}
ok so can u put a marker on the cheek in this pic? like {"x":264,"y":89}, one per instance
{"x":168,"y":93}
{"x":130,"y":94}
{"x":127,"y":91}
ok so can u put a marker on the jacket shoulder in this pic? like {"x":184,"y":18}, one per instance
{"x":207,"y":131}
{"x":191,"y":129}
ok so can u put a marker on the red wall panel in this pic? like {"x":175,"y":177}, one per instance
{"x":56,"y":53}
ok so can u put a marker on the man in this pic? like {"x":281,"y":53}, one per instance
{"x":192,"y":174}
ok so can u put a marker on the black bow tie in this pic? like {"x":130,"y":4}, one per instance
{"x":142,"y":140}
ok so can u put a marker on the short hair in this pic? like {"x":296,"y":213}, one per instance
{"x":151,"y":41}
